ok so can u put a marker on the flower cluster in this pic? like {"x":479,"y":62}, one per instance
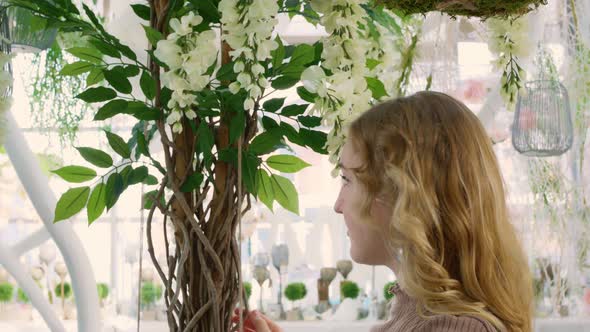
{"x":249,"y":26}
{"x":344,"y":95}
{"x":509,"y":40}
{"x":5,"y":98}
{"x":189,"y":55}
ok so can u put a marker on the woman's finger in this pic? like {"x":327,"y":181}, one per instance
{"x":259,"y":322}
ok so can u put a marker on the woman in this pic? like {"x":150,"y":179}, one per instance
{"x":422,"y":194}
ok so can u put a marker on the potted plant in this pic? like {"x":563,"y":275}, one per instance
{"x":385,"y":306}
{"x":247,"y":289}
{"x":6,"y":294}
{"x":218,"y":121}
{"x":295,"y":292}
{"x":150,"y":293}
{"x":25,"y":308}
{"x":349,"y":289}
{"x":63,"y":291}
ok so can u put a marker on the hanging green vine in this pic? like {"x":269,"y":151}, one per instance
{"x":51,"y":95}
{"x":478,"y":8}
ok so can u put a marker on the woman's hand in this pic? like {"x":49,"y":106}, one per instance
{"x":256,"y":322}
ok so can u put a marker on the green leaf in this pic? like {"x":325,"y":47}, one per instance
{"x":150,"y":180}
{"x":206,"y":141}
{"x":143,"y":112}
{"x":192,"y":182}
{"x":86,"y":53}
{"x":148,"y":85}
{"x":226,"y":72}
{"x":284,"y":82}
{"x":294,"y":109}
{"x":118,"y":145}
{"x":250,"y":164}
{"x":264,"y":188}
{"x":273,"y":105}
{"x":96,"y":203}
{"x":76,"y":68}
{"x":149,"y":197}
{"x":285,"y":193}
{"x":265,"y":143}
{"x":278,"y":55}
{"x":142,"y":146}
{"x":105,"y":48}
{"x":310,"y":121}
{"x":269,"y":123}
{"x":207,"y":9}
{"x":138,"y":175}
{"x":96,"y":75}
{"x":70,"y":203}
{"x":302,"y":55}
{"x":153,"y":35}
{"x":130,"y":70}
{"x":96,"y":157}
{"x":125,"y":173}
{"x":306,"y":95}
{"x":118,"y":81}
{"x":142,"y":11}
{"x":372,"y":63}
{"x":75,"y":174}
{"x":110,"y":109}
{"x":95,"y":95}
{"x":377,"y":88}
{"x":286,"y":163}
{"x":237,"y":126}
{"x":114,"y":189}
{"x":316,"y":140}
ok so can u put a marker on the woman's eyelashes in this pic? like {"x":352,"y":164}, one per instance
{"x":345,"y":180}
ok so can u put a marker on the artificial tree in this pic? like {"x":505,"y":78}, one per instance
{"x":209,"y":103}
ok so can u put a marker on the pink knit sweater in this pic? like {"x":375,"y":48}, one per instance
{"x":405,"y":318}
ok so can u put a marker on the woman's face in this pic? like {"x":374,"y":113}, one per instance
{"x":367,"y":245}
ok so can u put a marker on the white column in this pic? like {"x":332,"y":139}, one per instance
{"x":44,"y":201}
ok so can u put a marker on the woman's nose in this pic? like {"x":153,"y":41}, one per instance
{"x":338,"y":205}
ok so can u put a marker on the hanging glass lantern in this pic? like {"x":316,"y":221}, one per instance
{"x":27,"y":32}
{"x":542,"y":123}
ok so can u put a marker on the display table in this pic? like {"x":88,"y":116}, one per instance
{"x":126,"y":324}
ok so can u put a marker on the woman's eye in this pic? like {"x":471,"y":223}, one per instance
{"x":344,"y":179}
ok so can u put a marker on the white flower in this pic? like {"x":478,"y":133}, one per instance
{"x":257,"y":69}
{"x":264,"y":49}
{"x":190,"y":114}
{"x":248,"y":104}
{"x":238,"y":66}
{"x":254,"y":91}
{"x":321,"y":6}
{"x":182,"y":99}
{"x":173,"y":117}
{"x":174,"y":82}
{"x":312,"y":78}
{"x":244,"y":79}
{"x":186,"y":24}
{"x":177,"y":128}
{"x":169,"y":53}
{"x":234,"y":87}
{"x":263,"y":82}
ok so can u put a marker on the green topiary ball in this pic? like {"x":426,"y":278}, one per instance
{"x":22,"y":297}
{"x":67,"y":290}
{"x":150,"y":293}
{"x":476,"y":8}
{"x":349,"y":289}
{"x":103,"y":290}
{"x":248,"y":289}
{"x":388,"y":296}
{"x":295,"y":291}
{"x":6,"y":291}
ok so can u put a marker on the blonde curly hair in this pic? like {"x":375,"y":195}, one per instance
{"x":430,"y":157}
